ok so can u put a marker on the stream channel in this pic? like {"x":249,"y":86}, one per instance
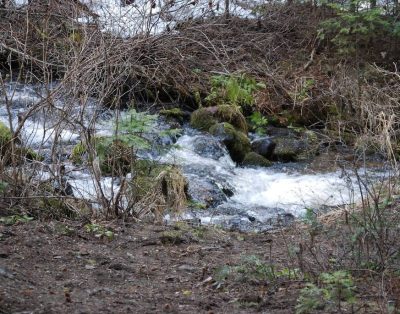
{"x":240,"y":198}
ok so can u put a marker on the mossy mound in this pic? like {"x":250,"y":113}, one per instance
{"x":5,"y":138}
{"x":116,"y":157}
{"x":253,"y":159}
{"x":204,"y":118}
{"x":144,"y":174}
{"x":235,"y":141}
{"x":156,"y":188}
{"x":174,"y":113}
{"x":296,"y":149}
{"x":20,"y":154}
{"x":288,"y":149}
{"x":233,"y":115}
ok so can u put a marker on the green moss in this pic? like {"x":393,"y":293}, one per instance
{"x":77,"y":153}
{"x":235,"y":141}
{"x":287,"y":149}
{"x":29,"y":154}
{"x":175,"y":113}
{"x":254,"y":159}
{"x":233,"y":115}
{"x":115,"y":156}
{"x":202,"y":119}
{"x":5,"y":138}
{"x":145,"y":173}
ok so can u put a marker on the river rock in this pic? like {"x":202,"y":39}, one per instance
{"x":206,"y":191}
{"x":290,"y":148}
{"x":208,"y":147}
{"x":204,"y":118}
{"x":253,"y":159}
{"x":235,"y":141}
{"x":264,"y":147}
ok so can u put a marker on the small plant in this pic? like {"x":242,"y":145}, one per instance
{"x":259,"y":122}
{"x":233,"y":89}
{"x":311,"y":298}
{"x":3,"y":186}
{"x":340,"y":286}
{"x":99,"y":231}
{"x":302,"y":92}
{"x":132,"y":128}
{"x":336,"y":288}
{"x":15,"y":219}
{"x":251,"y":268}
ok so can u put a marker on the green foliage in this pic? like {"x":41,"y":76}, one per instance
{"x":340,"y":286}
{"x":132,"y":128}
{"x":355,"y":25}
{"x":15,"y":219}
{"x":252,"y":268}
{"x":311,"y":298}
{"x":5,"y":138}
{"x":258,"y":122}
{"x":336,"y":288}
{"x":303,"y":90}
{"x":175,"y":113}
{"x":3,"y":186}
{"x":233,"y":89}
{"x":99,"y":231}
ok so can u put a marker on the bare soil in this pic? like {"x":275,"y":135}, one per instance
{"x":60,"y":267}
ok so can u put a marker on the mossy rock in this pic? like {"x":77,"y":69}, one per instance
{"x":288,"y":149}
{"x":203,"y":119}
{"x":233,"y":115}
{"x":5,"y":138}
{"x":291,"y":148}
{"x":158,"y":187}
{"x":144,"y":174}
{"x":20,"y":153}
{"x":116,"y":157}
{"x":235,"y":141}
{"x":77,"y":153}
{"x":253,"y":159}
{"x":174,"y":113}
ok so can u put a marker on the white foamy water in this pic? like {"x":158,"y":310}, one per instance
{"x":292,"y":192}
{"x":258,"y":193}
{"x":273,"y":187}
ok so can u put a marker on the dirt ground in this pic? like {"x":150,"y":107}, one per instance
{"x":62,"y":267}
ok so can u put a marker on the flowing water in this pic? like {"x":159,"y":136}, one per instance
{"x":235,"y":197}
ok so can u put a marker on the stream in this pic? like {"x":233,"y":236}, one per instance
{"x":240,"y":198}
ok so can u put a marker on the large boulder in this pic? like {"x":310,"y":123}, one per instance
{"x":235,"y":141}
{"x":204,"y":118}
{"x":253,"y":159}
